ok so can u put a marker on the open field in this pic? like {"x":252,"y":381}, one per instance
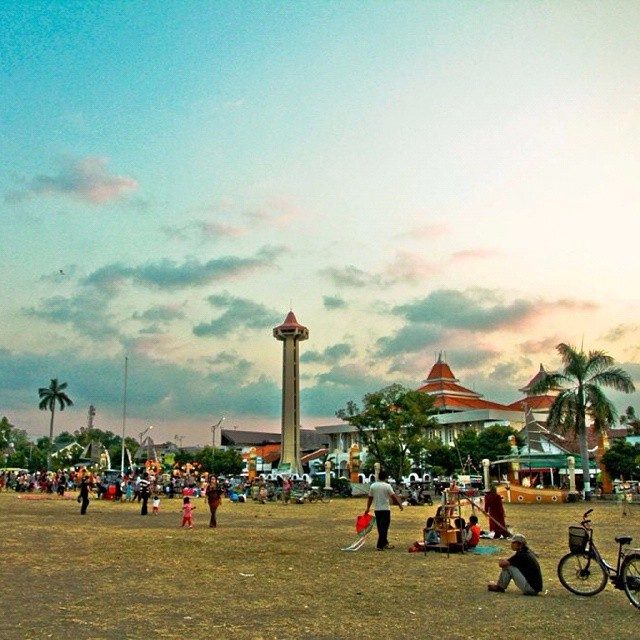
{"x":276,"y":572}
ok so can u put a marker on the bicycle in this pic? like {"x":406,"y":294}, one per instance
{"x":585,"y":572}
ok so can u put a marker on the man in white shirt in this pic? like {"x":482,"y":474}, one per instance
{"x":381,"y":496}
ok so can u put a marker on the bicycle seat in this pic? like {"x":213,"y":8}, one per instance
{"x":624,"y":539}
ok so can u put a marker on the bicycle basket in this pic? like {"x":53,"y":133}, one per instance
{"x":578,"y":538}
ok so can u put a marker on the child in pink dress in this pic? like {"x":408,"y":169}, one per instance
{"x":187,"y":515}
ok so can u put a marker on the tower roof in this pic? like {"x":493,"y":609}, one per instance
{"x":541,"y":374}
{"x":291,"y":327}
{"x":451,"y":396}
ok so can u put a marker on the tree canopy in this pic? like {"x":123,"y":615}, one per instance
{"x":393,"y":422}
{"x":580,"y":396}
{"x":622,"y":460}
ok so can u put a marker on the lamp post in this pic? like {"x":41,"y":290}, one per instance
{"x":214,"y":427}
{"x":124,"y":414}
{"x":143,"y":433}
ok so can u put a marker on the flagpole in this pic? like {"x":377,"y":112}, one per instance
{"x":124,"y":413}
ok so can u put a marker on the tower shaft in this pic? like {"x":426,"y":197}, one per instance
{"x":291,"y":333}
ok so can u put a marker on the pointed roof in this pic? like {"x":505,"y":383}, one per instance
{"x":451,"y":396}
{"x":539,"y":376}
{"x":290,"y":328}
{"x":290,"y":322}
{"x":540,"y":402}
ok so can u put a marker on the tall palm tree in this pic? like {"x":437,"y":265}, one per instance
{"x":581,"y":395}
{"x":49,"y":396}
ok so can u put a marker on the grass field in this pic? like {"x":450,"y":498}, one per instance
{"x":276,"y":572}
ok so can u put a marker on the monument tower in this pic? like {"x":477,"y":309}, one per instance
{"x":290,"y":332}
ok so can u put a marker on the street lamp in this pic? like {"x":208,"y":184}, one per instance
{"x":213,"y":429}
{"x":143,"y":433}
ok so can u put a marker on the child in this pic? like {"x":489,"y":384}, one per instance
{"x":187,"y":515}
{"x":472,"y":533}
{"x":156,"y":505}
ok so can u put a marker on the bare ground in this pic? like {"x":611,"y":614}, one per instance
{"x":276,"y":572}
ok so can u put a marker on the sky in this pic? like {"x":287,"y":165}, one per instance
{"x":410,"y":178}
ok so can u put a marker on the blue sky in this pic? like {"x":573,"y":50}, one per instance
{"x":409,"y":177}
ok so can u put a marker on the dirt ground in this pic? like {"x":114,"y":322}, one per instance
{"x":276,"y":572}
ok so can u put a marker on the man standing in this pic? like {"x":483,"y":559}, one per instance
{"x":380,"y":496}
{"x":522,"y":567}
{"x":84,"y":494}
{"x":145,"y":492}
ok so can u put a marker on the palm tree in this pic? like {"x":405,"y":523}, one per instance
{"x":49,"y":396}
{"x":580,"y":395}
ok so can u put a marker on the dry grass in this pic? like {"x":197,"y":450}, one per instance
{"x":276,"y":572}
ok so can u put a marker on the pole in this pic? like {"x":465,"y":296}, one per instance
{"x":124,"y":413}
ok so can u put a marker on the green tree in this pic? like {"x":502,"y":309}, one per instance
{"x":6,"y":430}
{"x":392,"y":422}
{"x":49,"y":397}
{"x":63,"y":439}
{"x":440,"y":457}
{"x":220,"y":461}
{"x":630,"y":419}
{"x":581,"y":396}
{"x":622,"y":460}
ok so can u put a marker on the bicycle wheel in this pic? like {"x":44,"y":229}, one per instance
{"x":325,"y":496}
{"x":581,"y":574}
{"x":630,"y":573}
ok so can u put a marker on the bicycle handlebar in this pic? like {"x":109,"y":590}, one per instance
{"x":585,"y":520}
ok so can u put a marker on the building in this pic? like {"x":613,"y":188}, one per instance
{"x":268,"y":445}
{"x":458,"y":409}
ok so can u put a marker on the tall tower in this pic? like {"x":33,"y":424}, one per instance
{"x":290,"y":332}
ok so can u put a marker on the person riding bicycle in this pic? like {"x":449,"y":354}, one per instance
{"x":522,"y":567}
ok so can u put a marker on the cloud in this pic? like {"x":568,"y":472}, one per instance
{"x":167,"y":274}
{"x":278,"y":211}
{"x":473,"y":254}
{"x":87,"y":313}
{"x":86,"y":179}
{"x":333,"y":389}
{"x":406,"y":268}
{"x":409,"y":268}
{"x":426,"y":232}
{"x":350,"y":276}
{"x":206,"y":230}
{"x":331,"y":355}
{"x":471,"y":310}
{"x":545,"y":345}
{"x":239,"y":314}
{"x":333,"y":302}
{"x":620,"y":332}
{"x":160,"y":313}
{"x":157,"y":390}
{"x":409,"y":339}
{"x":445,"y":312}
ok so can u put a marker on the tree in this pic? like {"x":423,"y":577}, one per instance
{"x":220,"y":461}
{"x":392,"y":422}
{"x":580,"y":396}
{"x":630,"y":419}
{"x":440,"y":457}
{"x":49,"y":396}
{"x":622,"y":460}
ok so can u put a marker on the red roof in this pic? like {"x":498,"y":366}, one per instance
{"x":448,"y":395}
{"x":536,"y":403}
{"x":290,"y":322}
{"x":465,"y":404}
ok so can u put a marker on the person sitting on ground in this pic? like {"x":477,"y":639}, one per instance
{"x":522,"y":567}
{"x":472,"y":532}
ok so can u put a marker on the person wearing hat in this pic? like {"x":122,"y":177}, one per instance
{"x":522,"y":567}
